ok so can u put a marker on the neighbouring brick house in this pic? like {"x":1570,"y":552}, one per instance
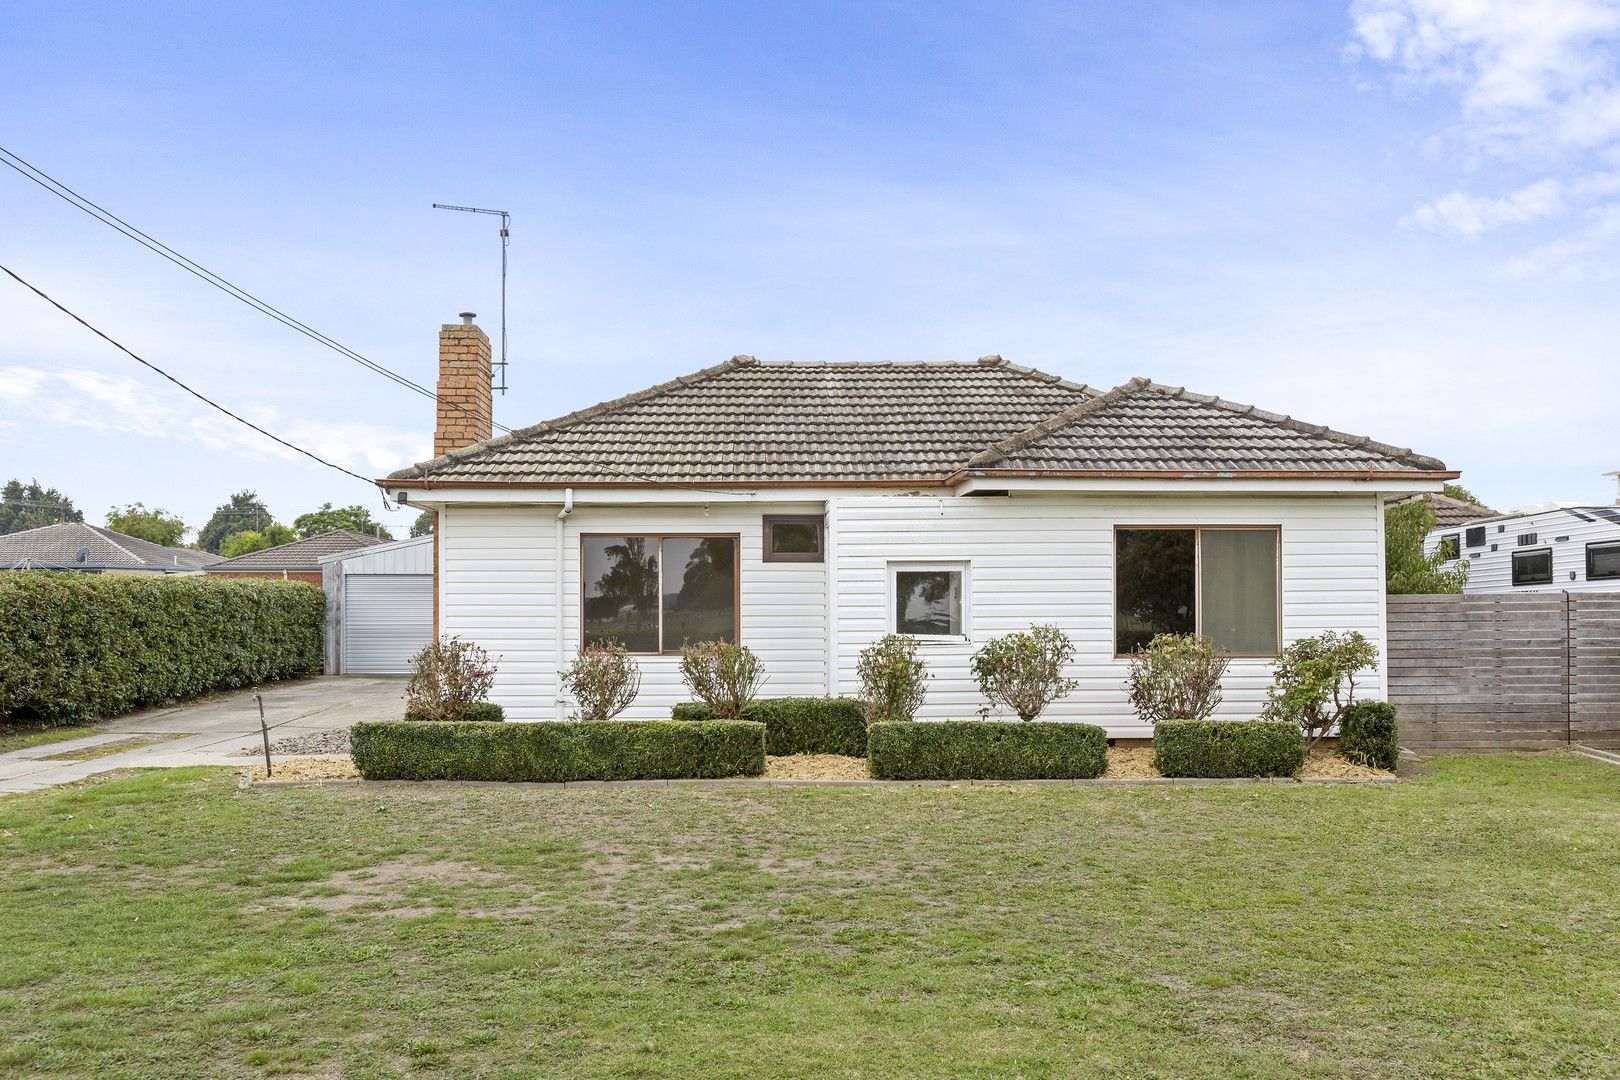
{"x":297,"y":561}
{"x":91,"y":549}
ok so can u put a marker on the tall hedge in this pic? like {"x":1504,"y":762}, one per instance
{"x":799,"y":725}
{"x":553,"y":751}
{"x":987,"y":750}
{"x":75,"y":647}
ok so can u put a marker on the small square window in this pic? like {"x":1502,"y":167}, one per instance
{"x":794,"y":537}
{"x":1532,"y":567}
{"x":1448,"y":547}
{"x":1475,"y":537}
{"x":929,"y":599}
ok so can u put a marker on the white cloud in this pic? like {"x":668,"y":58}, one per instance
{"x":1461,"y":214}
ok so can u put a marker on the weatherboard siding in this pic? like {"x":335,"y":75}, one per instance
{"x":1031,"y":559}
{"x":1563,"y":531}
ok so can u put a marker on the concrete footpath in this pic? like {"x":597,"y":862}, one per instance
{"x":214,"y":731}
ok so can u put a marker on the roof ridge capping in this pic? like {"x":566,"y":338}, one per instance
{"x":1056,"y":422}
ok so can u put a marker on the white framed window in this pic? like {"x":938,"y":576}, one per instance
{"x":929,"y":600}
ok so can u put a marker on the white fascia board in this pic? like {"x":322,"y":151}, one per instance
{"x":434,"y":498}
{"x":1179,"y":486}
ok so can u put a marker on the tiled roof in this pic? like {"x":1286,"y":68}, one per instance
{"x":300,"y":554}
{"x":751,"y":422}
{"x":60,"y":545}
{"x":1449,"y":511}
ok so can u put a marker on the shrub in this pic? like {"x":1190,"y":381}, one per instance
{"x":76,"y":647}
{"x":555,"y":751}
{"x":603,"y":680}
{"x":1315,"y":681}
{"x":724,"y":676}
{"x":1024,"y":671}
{"x":799,"y":725}
{"x":1221,"y":748}
{"x":486,"y":712}
{"x":1368,"y":734}
{"x":987,"y":750}
{"x":1177,"y":677}
{"x":893,"y":680}
{"x":448,"y":677}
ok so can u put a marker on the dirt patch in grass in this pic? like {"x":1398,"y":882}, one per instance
{"x":1136,"y":763}
{"x":307,"y":769}
{"x":117,"y":746}
{"x":391,"y":888}
{"x":816,"y":767}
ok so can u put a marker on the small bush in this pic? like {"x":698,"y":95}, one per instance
{"x":1177,"y":677}
{"x":448,"y":677}
{"x":725,"y":677}
{"x":893,"y":680}
{"x":987,"y":750}
{"x":1024,"y":671}
{"x":603,"y":680}
{"x":77,"y":647}
{"x":1368,"y":735}
{"x":1221,"y":748}
{"x":556,"y":751}
{"x":1315,"y":681}
{"x":799,"y":725}
{"x":479,"y":712}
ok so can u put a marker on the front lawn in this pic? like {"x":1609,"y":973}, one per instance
{"x":172,"y":924}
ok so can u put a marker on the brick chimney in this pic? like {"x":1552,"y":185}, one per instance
{"x":465,"y":406}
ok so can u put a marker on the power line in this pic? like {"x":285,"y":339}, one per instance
{"x":199,"y":396}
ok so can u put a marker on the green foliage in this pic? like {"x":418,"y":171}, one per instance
{"x":448,"y":677}
{"x":893,"y":679}
{"x":725,"y":677}
{"x":1368,"y":734}
{"x":244,"y":511}
{"x":1406,"y":568}
{"x":603,"y":680}
{"x":556,"y":751}
{"x":1220,"y":748}
{"x":799,"y":725}
{"x":77,"y":646}
{"x":1023,"y":671}
{"x":987,"y":750}
{"x":1177,"y":677}
{"x":479,"y":712}
{"x":327,"y":517}
{"x":1460,"y":493}
{"x":156,"y":526}
{"x":1315,"y":680}
{"x":424,"y":523}
{"x":30,"y":506}
{"x":248,"y":540}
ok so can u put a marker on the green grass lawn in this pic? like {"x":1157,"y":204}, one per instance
{"x":171,"y":925}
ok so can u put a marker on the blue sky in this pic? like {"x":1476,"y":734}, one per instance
{"x":1397,"y":217}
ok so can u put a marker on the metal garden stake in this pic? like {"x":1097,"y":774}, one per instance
{"x":264,"y":731}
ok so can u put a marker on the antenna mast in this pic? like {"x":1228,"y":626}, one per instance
{"x":506,"y":241}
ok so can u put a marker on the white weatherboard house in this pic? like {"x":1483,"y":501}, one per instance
{"x":807,"y":509}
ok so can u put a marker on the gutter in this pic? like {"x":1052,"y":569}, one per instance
{"x":557,"y":598}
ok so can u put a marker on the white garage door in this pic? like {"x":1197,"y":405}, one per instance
{"x":387,"y":618}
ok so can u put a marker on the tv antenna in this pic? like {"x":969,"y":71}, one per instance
{"x":506,"y":241}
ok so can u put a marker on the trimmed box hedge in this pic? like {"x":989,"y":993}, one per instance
{"x":478,"y":712}
{"x":1226,"y":748}
{"x":986,"y":750}
{"x":799,"y":725}
{"x":76,"y":647}
{"x":1368,"y":735}
{"x":554,"y":751}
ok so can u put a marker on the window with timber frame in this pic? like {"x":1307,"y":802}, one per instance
{"x":1222,"y":581}
{"x":653,"y":593}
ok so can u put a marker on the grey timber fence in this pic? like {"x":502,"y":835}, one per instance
{"x":1506,"y":671}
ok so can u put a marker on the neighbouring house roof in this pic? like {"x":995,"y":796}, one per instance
{"x":300,"y":554}
{"x":61,"y":546}
{"x":750,"y":422}
{"x":1449,"y":512}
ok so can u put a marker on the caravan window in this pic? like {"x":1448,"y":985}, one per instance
{"x":1603,"y":560}
{"x":1448,"y":547}
{"x":1475,"y":537}
{"x":1532,"y":567}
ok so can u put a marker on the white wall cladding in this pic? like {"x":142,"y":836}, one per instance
{"x":1563,"y":532}
{"x":1032,"y":558}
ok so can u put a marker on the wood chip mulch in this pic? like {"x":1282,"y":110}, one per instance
{"x":1136,"y":763}
{"x":816,"y":767}
{"x":307,"y":769}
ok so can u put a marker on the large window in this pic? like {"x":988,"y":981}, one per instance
{"x":1603,"y":560}
{"x":929,"y":599}
{"x":653,"y":594}
{"x":1216,"y":581}
{"x":1532,"y":567}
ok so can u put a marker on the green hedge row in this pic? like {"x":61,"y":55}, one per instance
{"x":76,"y":647}
{"x":478,"y":712}
{"x":1368,"y":734}
{"x":987,"y":750}
{"x":554,"y":751}
{"x":1226,"y":748}
{"x":799,"y":725}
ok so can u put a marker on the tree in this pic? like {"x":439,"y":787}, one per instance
{"x":423,"y":525}
{"x":326,"y":518}
{"x":247,"y":540}
{"x":29,"y":506}
{"x":156,"y":525}
{"x":243,"y":512}
{"x":1461,"y":494}
{"x":1406,"y":568}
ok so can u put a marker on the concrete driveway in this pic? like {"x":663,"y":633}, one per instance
{"x":213,"y":731}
